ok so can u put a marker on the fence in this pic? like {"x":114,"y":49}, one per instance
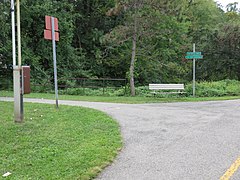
{"x":6,"y":79}
{"x":76,"y":86}
{"x":83,"y":86}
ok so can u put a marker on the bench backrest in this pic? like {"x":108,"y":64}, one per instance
{"x":166,"y":86}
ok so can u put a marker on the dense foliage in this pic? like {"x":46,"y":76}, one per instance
{"x":142,"y":40}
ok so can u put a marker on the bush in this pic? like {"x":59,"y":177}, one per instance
{"x":214,"y":89}
{"x":94,"y":91}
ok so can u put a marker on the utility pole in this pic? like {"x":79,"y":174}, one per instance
{"x":18,"y":94}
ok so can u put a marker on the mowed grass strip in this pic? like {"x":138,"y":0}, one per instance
{"x":69,"y":143}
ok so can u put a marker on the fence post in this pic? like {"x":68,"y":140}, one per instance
{"x":84,"y":83}
{"x":125,"y":87}
{"x":103,"y":81}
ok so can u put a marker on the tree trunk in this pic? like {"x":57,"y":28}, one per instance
{"x":134,"y":44}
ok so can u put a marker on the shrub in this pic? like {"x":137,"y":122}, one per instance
{"x":217,"y":88}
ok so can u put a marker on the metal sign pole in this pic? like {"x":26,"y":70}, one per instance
{"x":194,"y":76}
{"x":54,"y":60}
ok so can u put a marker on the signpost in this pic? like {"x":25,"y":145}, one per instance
{"x":194,"y":55}
{"x":51,"y":33}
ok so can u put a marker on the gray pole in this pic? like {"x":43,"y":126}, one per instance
{"x":13,"y":33}
{"x":18,"y":95}
{"x":194,"y":76}
{"x":54,"y":61}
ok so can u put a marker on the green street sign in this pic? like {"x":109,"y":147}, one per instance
{"x":193,"y":53}
{"x":194,"y":57}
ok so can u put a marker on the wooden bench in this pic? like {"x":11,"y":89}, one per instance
{"x":156,"y":87}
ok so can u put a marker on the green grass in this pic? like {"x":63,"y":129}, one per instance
{"x":121,"y":99}
{"x":69,"y":143}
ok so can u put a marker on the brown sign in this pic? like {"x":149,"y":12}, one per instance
{"x":48,"y":35}
{"x":26,"y":79}
{"x":48,"y":30}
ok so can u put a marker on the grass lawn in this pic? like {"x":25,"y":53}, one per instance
{"x":120,"y":99}
{"x":69,"y":143}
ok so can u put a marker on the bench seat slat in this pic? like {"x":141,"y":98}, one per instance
{"x":166,"y":86}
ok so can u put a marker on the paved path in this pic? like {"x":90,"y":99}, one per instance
{"x":169,"y":141}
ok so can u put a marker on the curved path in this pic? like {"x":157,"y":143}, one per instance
{"x":168,"y":141}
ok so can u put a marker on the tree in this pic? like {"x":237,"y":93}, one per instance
{"x":222,"y":57}
{"x":90,"y":24}
{"x":37,"y":52}
{"x":232,"y":7}
{"x":5,"y":44}
{"x":141,"y":19}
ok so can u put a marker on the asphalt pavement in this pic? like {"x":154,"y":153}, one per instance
{"x":172,"y":141}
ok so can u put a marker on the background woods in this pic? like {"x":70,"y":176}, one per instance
{"x":142,"y":40}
